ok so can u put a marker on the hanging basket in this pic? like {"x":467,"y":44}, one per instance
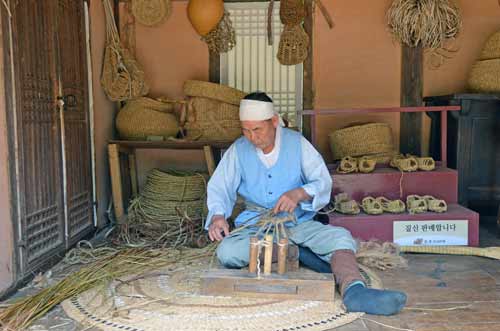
{"x":360,"y":140}
{"x":151,"y":12}
{"x":294,"y":45}
{"x":122,"y":77}
{"x":143,"y":118}
{"x":292,"y":12}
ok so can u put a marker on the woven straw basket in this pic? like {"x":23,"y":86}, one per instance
{"x":144,"y":117}
{"x":196,"y":88}
{"x":367,"y":139}
{"x":485,"y":76}
{"x":491,"y":49}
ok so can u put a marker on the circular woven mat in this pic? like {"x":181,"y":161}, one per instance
{"x":169,"y":299}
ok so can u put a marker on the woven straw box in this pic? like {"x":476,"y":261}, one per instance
{"x":359,"y":140}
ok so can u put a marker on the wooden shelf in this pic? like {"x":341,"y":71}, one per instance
{"x":178,"y":144}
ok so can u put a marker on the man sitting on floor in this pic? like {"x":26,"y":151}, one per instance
{"x":277,"y":168}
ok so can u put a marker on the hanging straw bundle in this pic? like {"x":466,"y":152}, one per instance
{"x":105,"y":269}
{"x":430,"y":24}
{"x":122,"y":77}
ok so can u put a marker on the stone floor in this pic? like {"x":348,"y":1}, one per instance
{"x":468,"y":287}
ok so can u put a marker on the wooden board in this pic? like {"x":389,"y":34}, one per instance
{"x":291,"y":286}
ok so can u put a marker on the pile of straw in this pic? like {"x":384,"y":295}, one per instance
{"x":426,"y":23}
{"x":106,"y":268}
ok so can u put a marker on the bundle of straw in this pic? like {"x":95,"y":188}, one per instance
{"x":105,"y":269}
{"x":426,"y":23}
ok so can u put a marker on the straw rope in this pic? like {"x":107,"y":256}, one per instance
{"x":169,"y":212}
{"x":98,"y":274}
{"x":489,"y":252}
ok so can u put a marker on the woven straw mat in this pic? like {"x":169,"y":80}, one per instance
{"x":151,"y":12}
{"x":169,"y":299}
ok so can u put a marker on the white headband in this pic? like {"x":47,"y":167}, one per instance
{"x":255,"y":110}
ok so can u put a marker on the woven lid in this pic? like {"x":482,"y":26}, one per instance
{"x":491,"y":49}
{"x":196,"y":88}
{"x":151,"y":12}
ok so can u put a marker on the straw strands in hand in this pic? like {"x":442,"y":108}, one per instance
{"x":106,"y":268}
{"x":426,"y":23}
{"x":169,"y":211}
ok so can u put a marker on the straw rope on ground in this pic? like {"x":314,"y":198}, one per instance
{"x":169,"y":299}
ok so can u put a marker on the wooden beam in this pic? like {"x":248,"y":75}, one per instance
{"x":214,"y":67}
{"x":411,"y":95}
{"x":308,"y":87}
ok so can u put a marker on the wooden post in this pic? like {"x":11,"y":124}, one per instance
{"x":133,"y":173}
{"x":268,"y":254}
{"x":116,"y":181}
{"x":411,"y":95}
{"x":254,"y":249}
{"x":282,"y":255}
{"x":209,"y":158}
{"x":308,"y":126}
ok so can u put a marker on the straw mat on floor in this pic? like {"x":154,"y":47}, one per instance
{"x":169,"y":299}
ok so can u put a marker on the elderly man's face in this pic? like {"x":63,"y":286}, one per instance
{"x":261,"y":133}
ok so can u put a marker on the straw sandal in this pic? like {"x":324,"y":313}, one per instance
{"x":435,"y":205}
{"x":392,"y":206}
{"x":416,"y":204}
{"x":371,"y":206}
{"x":404,"y":163}
{"x":347,"y":165}
{"x":366,"y":164}
{"x":426,"y":163}
{"x":345,"y":205}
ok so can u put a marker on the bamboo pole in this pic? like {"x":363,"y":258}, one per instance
{"x":282,"y":255}
{"x":254,"y":249}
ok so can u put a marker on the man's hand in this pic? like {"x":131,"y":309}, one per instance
{"x":217,"y":226}
{"x":289,"y":200}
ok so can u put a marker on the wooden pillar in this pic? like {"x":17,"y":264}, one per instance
{"x":308,"y":88}
{"x":411,"y":95}
{"x":214,"y":67}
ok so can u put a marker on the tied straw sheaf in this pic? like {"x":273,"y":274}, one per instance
{"x":430,"y":24}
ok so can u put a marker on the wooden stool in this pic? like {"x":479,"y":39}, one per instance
{"x":260,"y":282}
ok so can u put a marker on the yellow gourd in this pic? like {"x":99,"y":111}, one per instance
{"x":204,"y":15}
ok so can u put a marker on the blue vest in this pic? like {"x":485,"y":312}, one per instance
{"x":262,"y":186}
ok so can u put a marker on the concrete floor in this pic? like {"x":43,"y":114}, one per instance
{"x":431,"y":282}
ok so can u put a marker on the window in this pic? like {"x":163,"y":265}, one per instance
{"x":252,"y":64}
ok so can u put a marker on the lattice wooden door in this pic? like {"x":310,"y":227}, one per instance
{"x":54,"y":191}
{"x":72,"y":46}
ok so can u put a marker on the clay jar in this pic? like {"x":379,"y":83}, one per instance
{"x":204,"y":15}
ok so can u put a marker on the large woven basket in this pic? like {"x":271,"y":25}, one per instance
{"x":485,"y":76}
{"x":145,"y":117}
{"x":367,"y":139}
{"x":196,"y":88}
{"x":211,"y":119}
{"x":173,"y":185}
{"x":491,"y":49}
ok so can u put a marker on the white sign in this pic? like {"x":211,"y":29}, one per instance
{"x":431,"y":233}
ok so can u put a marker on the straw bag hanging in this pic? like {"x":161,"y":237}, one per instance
{"x":122,"y":77}
{"x":294,"y":41}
